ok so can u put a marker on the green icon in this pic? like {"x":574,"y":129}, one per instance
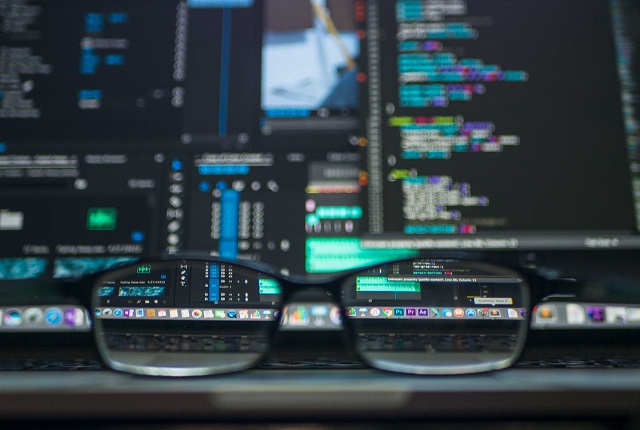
{"x":102,"y":218}
{"x":144,"y":269}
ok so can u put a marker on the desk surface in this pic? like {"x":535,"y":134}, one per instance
{"x":321,"y":395}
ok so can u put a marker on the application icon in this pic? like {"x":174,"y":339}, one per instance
{"x":97,"y":312}
{"x":398,"y":312}
{"x":595,"y":313}
{"x":363,"y":311}
{"x":351,"y":312}
{"x":423,"y":312}
{"x":73,"y":317}
{"x":633,"y":314}
{"x":107,"y":312}
{"x":334,"y":315}
{"x":512,"y":313}
{"x":285,"y":316}
{"x":244,"y":314}
{"x":299,"y":316}
{"x":33,"y":316}
{"x":118,"y":313}
{"x":546,"y":314}
{"x":470,"y":313}
{"x":411,"y":312}
{"x":495,"y":313}
{"x":127,"y":313}
{"x":151,"y":313}
{"x":139,"y":313}
{"x":173,"y":313}
{"x":576,"y":314}
{"x":208,"y":314}
{"x":434,"y":312}
{"x":319,"y":311}
{"x":616,"y":315}
{"x":232,"y":314}
{"x":184,"y":313}
{"x":458,"y":312}
{"x":53,"y":316}
{"x":448,"y":313}
{"x":219,"y":313}
{"x":13,"y":317}
{"x":255,"y":315}
{"x":162,"y":313}
{"x":196,"y":313}
{"x":374,"y":312}
{"x":387,"y":312}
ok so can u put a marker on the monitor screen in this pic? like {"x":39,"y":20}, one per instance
{"x":313,"y":135}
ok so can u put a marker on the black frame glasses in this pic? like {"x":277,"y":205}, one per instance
{"x":199,"y":317}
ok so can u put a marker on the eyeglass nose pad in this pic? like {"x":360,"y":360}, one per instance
{"x":312,"y":325}
{"x":312,"y":308}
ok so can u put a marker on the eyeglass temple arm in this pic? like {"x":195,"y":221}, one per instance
{"x":80,"y":289}
{"x":545,"y":288}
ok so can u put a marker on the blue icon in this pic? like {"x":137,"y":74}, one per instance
{"x":53,"y":316}
{"x":470,"y":313}
{"x":118,"y":312}
{"x":232,"y":314}
{"x":447,"y":313}
{"x":204,"y":186}
{"x":137,"y":236}
{"x":398,"y":312}
{"x":176,"y":165}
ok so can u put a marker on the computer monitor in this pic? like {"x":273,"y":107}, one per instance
{"x":314,"y":135}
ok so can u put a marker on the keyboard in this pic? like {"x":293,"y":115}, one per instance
{"x":81,"y":364}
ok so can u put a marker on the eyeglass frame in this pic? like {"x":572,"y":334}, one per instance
{"x":82,"y":289}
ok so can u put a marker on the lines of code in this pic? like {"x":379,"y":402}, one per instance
{"x":428,"y":74}
{"x":19,"y":63}
{"x":435,"y":198}
{"x":94,"y":25}
{"x":434,"y":73}
{"x":439,"y":136}
{"x":445,"y":71}
{"x":91,"y":69}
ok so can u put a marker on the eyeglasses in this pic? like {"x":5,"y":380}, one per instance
{"x":205,"y":317}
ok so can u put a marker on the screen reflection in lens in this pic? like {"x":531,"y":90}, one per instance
{"x":185,"y":318}
{"x":437,"y":316}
